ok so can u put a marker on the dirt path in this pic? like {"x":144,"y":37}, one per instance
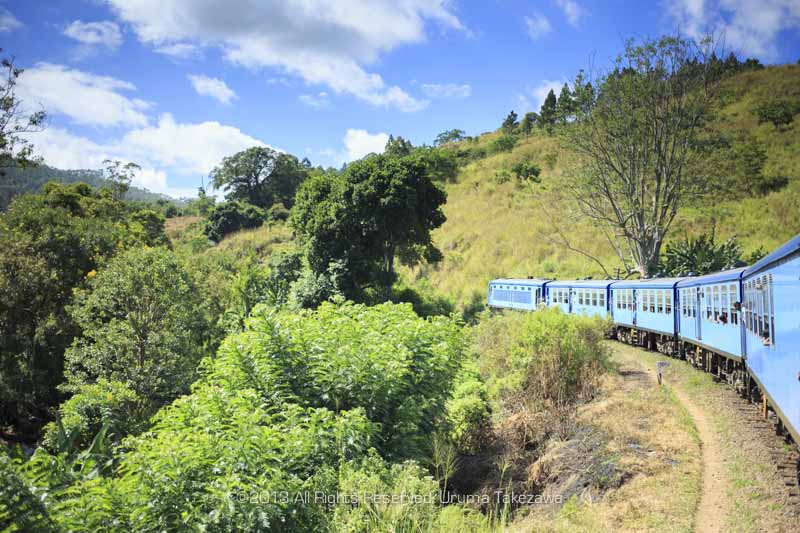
{"x":712,"y":511}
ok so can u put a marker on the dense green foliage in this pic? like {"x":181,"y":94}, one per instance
{"x":230,"y":217}
{"x":380,"y":208}
{"x":50,"y":243}
{"x":139,"y":327}
{"x":703,"y":255}
{"x":260,"y":176}
{"x":106,"y":404}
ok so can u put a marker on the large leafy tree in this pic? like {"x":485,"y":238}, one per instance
{"x":140,"y":326}
{"x":634,"y":137}
{"x":260,"y":176}
{"x":49,"y":244}
{"x":379,"y":209}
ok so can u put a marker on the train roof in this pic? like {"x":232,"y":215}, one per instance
{"x":786,"y":250}
{"x":583,"y":283}
{"x":716,"y":277}
{"x":521,"y":281}
{"x":652,"y":283}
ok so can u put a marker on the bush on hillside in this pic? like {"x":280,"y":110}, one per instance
{"x":230,"y":217}
{"x":106,"y":403}
{"x":504,"y":143}
{"x":778,"y":112}
{"x":552,"y":359}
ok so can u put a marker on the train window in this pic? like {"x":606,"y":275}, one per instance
{"x":668,"y":303}
{"x":732,"y":301}
{"x":660,"y":302}
{"x":715,"y":302}
{"x":724,"y":306}
{"x":602,"y":298}
{"x":594,"y":298}
{"x":708,"y":299}
{"x":652,"y":301}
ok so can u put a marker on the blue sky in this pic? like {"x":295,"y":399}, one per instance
{"x":175,"y":85}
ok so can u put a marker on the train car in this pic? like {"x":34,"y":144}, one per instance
{"x":524,"y":294}
{"x":581,"y":297}
{"x":771,"y":324}
{"x":709,"y":323}
{"x":643,"y":312}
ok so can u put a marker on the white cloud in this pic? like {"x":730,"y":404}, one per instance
{"x":358,"y":143}
{"x":84,"y":97}
{"x":537,"y":25}
{"x":213,"y":87}
{"x":533,"y":98}
{"x":167,"y":149}
{"x":197,"y":148}
{"x":179,"y":50}
{"x":447,"y":90}
{"x":317,"y":101}
{"x":572,"y":10}
{"x":324,"y":42}
{"x":8,"y":22}
{"x":748,"y":26}
{"x":101,"y":33}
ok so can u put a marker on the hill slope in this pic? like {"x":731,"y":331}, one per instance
{"x":498,"y":228}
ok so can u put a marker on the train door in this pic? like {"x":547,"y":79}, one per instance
{"x":698,"y":313}
{"x":635,"y":305}
{"x":569,"y":297}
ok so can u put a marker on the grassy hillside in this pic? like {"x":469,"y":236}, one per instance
{"x":501,"y":229}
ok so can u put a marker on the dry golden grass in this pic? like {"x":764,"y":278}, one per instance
{"x":654,"y":443}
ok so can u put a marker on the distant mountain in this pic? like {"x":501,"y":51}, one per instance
{"x":19,"y":181}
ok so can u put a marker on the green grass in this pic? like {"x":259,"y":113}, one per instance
{"x":498,"y":229}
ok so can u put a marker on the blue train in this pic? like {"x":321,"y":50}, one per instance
{"x":743,"y":325}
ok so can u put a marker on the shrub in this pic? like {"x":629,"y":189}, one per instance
{"x":779,"y":112}
{"x":552,"y":359}
{"x":278,"y":212}
{"x":504,"y":143}
{"x":527,"y":171}
{"x":230,"y":217}
{"x":383,"y":359}
{"x":468,"y":412}
{"x":106,"y":403}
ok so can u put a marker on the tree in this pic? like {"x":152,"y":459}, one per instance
{"x":450,"y":136}
{"x":139,"y":327}
{"x":398,"y":147}
{"x":380,"y":208}
{"x":15,"y":122}
{"x":530,"y":119}
{"x":260,"y":176}
{"x":510,"y":122}
{"x":119,"y":177}
{"x":548,"y":111}
{"x":565,"y":106}
{"x":50,"y":245}
{"x":634,"y":142}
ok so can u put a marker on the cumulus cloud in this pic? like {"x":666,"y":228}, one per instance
{"x":317,"y":101}
{"x":8,"y":22}
{"x":101,"y":33}
{"x":572,"y":10}
{"x":537,"y":25}
{"x":213,"y":87}
{"x":358,"y":143}
{"x":447,"y":90}
{"x":166,"y":149}
{"x":84,"y":97}
{"x":533,"y":98}
{"x":325,"y":42}
{"x":748,"y":26}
